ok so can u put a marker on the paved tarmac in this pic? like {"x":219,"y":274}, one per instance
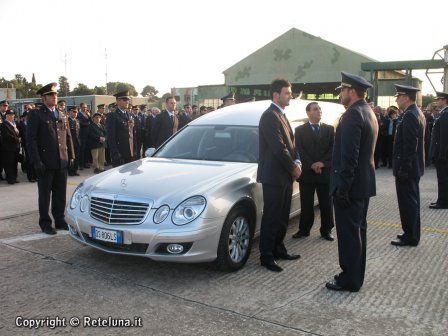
{"x":58,"y":281}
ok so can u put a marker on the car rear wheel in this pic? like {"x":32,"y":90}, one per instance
{"x":235,"y":241}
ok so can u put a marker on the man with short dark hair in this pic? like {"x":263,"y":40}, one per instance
{"x":166,"y":123}
{"x":278,"y":167}
{"x":185,"y":116}
{"x":439,"y":151}
{"x":352,"y":180}
{"x":408,"y":164}
{"x":50,"y":149}
{"x":314,"y":141}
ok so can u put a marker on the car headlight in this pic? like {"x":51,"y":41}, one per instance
{"x":161,"y":214}
{"x":189,"y":210}
{"x":84,"y":203}
{"x":76,"y":197}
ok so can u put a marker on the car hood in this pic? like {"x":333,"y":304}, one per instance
{"x":166,"y":181}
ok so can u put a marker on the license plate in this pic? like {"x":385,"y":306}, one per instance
{"x":111,"y":236}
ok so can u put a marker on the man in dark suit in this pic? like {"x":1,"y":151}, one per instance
{"x":166,"y":123}
{"x":352,"y":180}
{"x":439,"y":151}
{"x":278,"y":167}
{"x":119,"y":129}
{"x":408,"y":164}
{"x":50,"y":149}
{"x":314,"y":141}
{"x":185,"y":116}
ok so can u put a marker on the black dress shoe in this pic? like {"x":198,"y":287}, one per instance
{"x":49,"y":231}
{"x":438,"y":206}
{"x":300,"y":234}
{"x":76,"y":174}
{"x":287,"y":256}
{"x":328,"y":236}
{"x":402,"y":242}
{"x":271,"y":265}
{"x":400,"y":236}
{"x":334,"y":285}
{"x":62,"y":227}
{"x":433,"y":203}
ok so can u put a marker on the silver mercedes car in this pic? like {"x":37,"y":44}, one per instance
{"x":194,"y":199}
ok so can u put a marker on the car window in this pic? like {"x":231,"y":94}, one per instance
{"x":213,"y":143}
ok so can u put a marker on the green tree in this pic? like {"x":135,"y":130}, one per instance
{"x":427,"y":99}
{"x":64,"y":86}
{"x":150,"y":92}
{"x":82,"y":90}
{"x":99,"y":90}
{"x":114,"y":87}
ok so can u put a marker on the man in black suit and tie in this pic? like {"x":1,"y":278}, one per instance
{"x":278,"y":167}
{"x":314,"y":141}
{"x":352,"y":181}
{"x":166,"y":123}
{"x":439,"y":151}
{"x":408,"y":164}
{"x":119,"y":128}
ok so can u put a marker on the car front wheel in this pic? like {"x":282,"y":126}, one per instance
{"x":235,"y":241}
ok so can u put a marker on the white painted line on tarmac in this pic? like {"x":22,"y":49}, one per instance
{"x":31,"y":237}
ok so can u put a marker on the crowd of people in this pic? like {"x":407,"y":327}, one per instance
{"x":337,"y":164}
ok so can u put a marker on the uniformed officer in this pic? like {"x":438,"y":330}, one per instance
{"x":10,"y":146}
{"x":352,"y":181}
{"x":50,"y":151}
{"x":439,"y":151}
{"x":74,"y":131}
{"x":408,"y":164}
{"x":228,"y":100}
{"x":119,"y":128}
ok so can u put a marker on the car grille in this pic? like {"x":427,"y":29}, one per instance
{"x":134,"y":248}
{"x":118,"y":210}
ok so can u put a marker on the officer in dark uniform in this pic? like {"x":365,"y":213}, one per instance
{"x":84,"y":124}
{"x":138,"y":132}
{"x":439,"y":151}
{"x":408,"y":164}
{"x":119,"y":129}
{"x":352,"y":181}
{"x":50,"y":151}
{"x":228,"y":100}
{"x":3,"y":108}
{"x":9,"y":153}
{"x":74,"y":131}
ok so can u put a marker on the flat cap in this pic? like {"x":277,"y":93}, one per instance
{"x":97,"y":114}
{"x":9,"y":111}
{"x":353,"y":81}
{"x":122,"y":94}
{"x":4,"y":102}
{"x":441,"y":95}
{"x":101,"y":105}
{"x":47,"y":89}
{"x":405,"y":90}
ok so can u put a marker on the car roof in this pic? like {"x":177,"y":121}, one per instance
{"x":249,"y":114}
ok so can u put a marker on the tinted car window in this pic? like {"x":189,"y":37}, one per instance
{"x":213,"y":143}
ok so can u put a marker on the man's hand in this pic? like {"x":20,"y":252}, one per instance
{"x":317,"y":167}
{"x":297,"y":171}
{"x":342,"y":199}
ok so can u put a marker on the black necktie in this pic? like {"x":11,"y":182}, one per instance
{"x":315,"y":128}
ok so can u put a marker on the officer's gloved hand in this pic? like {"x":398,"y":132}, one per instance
{"x":402,"y":175}
{"x":342,"y":199}
{"x":39,"y":167}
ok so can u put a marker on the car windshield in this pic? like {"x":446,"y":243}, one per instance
{"x":213,"y":143}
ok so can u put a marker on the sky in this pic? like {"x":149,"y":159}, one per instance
{"x":182,"y":43}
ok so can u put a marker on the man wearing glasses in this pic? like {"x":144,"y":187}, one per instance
{"x":120,"y":128}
